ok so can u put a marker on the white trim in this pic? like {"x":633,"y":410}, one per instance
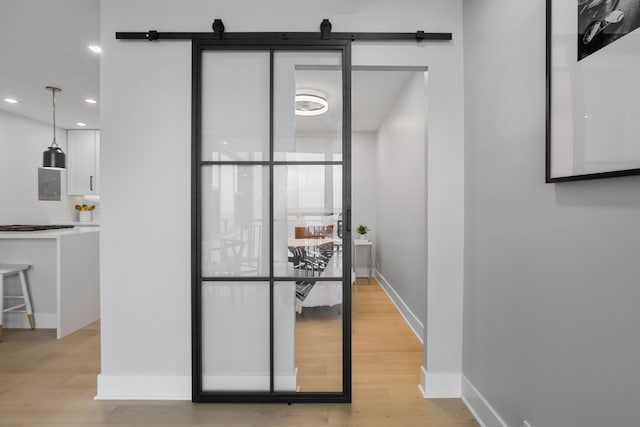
{"x":19,"y":320}
{"x":144,"y":387}
{"x":440,"y":385}
{"x":423,"y":381}
{"x":482,"y":411}
{"x":414,"y":323}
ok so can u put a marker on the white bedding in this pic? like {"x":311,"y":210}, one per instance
{"x":323,"y":294}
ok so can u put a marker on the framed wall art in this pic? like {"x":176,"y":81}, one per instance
{"x":593,"y":89}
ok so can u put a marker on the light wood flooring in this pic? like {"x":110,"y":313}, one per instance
{"x":49,"y":382}
{"x":319,"y":349}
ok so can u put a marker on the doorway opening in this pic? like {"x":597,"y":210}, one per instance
{"x":389,"y":181}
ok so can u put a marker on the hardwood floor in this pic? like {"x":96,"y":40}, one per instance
{"x":319,"y":349}
{"x":49,"y":382}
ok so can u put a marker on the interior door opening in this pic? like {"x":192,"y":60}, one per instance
{"x":389,"y":196}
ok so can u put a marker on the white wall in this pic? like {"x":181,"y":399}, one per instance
{"x":146,"y":91}
{"x":551,"y":270}
{"x":145,"y":240}
{"x":364,"y":190}
{"x":401,"y":199}
{"x":23,"y":141}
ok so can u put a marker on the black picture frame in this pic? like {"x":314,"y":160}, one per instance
{"x":592,"y":108}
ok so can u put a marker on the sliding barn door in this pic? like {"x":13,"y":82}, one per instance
{"x":271,"y":208}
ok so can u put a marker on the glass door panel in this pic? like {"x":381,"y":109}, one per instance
{"x":235,"y":336}
{"x":307,"y":208}
{"x":309,"y":350}
{"x":284,"y":338}
{"x":235,"y":222}
{"x":308,"y":106}
{"x":235,"y":106}
{"x":271,"y":289}
{"x":235,"y":226}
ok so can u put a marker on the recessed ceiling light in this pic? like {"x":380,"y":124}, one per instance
{"x":90,"y":101}
{"x":95,"y":48}
{"x":81,"y":124}
{"x":311,"y":105}
{"x":11,"y":100}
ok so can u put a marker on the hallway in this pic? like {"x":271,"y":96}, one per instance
{"x":44,"y":381}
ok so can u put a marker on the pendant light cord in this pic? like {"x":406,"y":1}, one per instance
{"x":53,"y":94}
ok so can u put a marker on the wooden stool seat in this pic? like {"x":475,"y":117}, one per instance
{"x":23,"y":307}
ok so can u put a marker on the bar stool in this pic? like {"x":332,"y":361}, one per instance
{"x":9,"y":270}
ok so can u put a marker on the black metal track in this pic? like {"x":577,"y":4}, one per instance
{"x":267,"y":279}
{"x":271,"y":37}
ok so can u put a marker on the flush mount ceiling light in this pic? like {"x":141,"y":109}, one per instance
{"x":310,"y":105}
{"x":95,"y":48}
{"x":54,"y":157}
{"x":11,"y":100}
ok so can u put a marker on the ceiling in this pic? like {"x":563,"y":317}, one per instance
{"x":373,"y":93}
{"x":45,"y":43}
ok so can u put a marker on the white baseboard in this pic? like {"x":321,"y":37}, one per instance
{"x":440,"y":385}
{"x":144,"y":387}
{"x":19,"y":320}
{"x":414,"y":323}
{"x":479,"y":407}
{"x":363,"y":272}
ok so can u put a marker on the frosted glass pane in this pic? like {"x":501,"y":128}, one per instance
{"x":284,"y":337}
{"x":303,"y":137}
{"x":307,"y":208}
{"x":235,"y":336}
{"x":235,"y":221}
{"x":235,"y":106}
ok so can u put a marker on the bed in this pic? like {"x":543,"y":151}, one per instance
{"x":316,"y":258}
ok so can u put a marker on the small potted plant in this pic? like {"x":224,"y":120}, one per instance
{"x":362,"y":231}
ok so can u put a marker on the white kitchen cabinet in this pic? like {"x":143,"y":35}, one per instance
{"x":83,"y":162}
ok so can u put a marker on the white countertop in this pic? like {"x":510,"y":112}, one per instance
{"x":78,"y":223}
{"x":46,"y":234}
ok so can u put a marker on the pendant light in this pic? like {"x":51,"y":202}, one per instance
{"x":54,"y":157}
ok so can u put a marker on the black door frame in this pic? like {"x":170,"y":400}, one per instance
{"x":198,"y":394}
